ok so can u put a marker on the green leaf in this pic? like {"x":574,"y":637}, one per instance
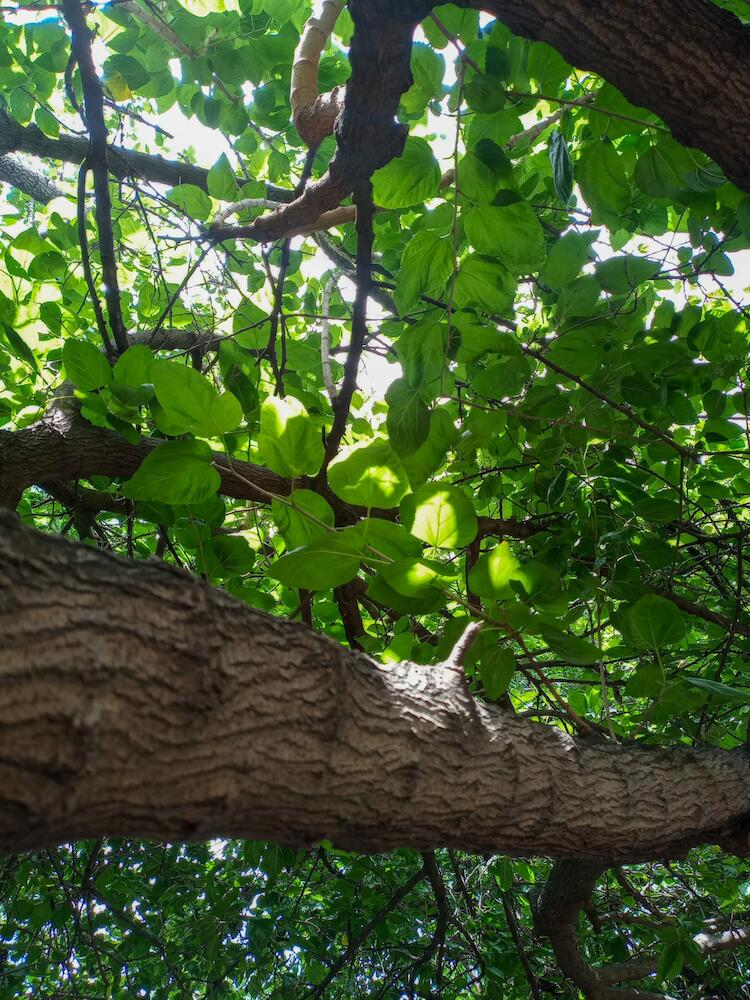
{"x":666,"y":170}
{"x":408,"y":420}
{"x":192,"y":200}
{"x":135,"y":75}
{"x":299,"y":518}
{"x":85,"y":365}
{"x":426,"y":264}
{"x":496,"y":672}
{"x":414,"y":577}
{"x":328,"y":561}
{"x":511,"y":233}
{"x":658,"y":510}
{"x":134,"y":366}
{"x":410,"y":179}
{"x":724,"y":692}
{"x":221,"y":182}
{"x":562,"y":166}
{"x":570,"y":647}
{"x":18,"y":347}
{"x":289,"y":443}
{"x":655,"y":623}
{"x":440,"y":515}
{"x":622,"y":275}
{"x":226,"y":556}
{"x":547,"y":66}
{"x":433,"y":453}
{"x":370,"y":474}
{"x":383,"y":541}
{"x":492,"y":573}
{"x":176,"y":472}
{"x":566,"y":259}
{"x":486,"y":285}
{"x":603,"y":182}
{"x":191,"y":403}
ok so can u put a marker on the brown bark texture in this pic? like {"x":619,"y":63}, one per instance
{"x":139,"y":702}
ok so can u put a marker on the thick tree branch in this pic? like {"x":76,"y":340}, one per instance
{"x":122,"y":163}
{"x":63,"y":447}
{"x":367,"y":134}
{"x":692,"y":59}
{"x":140,"y":702}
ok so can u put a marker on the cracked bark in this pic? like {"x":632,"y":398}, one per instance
{"x":139,"y":702}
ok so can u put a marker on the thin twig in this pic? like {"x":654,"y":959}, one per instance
{"x":365,"y":236}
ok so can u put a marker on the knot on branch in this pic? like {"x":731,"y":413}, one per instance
{"x":316,"y":121}
{"x":377,"y":138}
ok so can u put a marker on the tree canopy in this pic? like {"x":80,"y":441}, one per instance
{"x":374,"y":439}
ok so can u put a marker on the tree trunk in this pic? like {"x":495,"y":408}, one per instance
{"x":139,"y":702}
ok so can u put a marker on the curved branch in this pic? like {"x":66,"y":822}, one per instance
{"x":314,"y":114}
{"x":140,"y":702}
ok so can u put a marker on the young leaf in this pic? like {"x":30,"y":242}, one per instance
{"x":191,"y":403}
{"x":370,"y":474}
{"x":85,"y":365}
{"x":440,"y":515}
{"x":289,"y":442}
{"x":328,"y":561}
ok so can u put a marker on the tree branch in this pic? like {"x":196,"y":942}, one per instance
{"x":96,"y":160}
{"x":702,"y":90}
{"x":140,"y":702}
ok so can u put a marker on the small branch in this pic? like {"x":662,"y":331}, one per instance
{"x":457,"y":657}
{"x":365,"y":237}
{"x":623,"y":408}
{"x":325,"y":340}
{"x":93,"y":99}
{"x":83,"y":240}
{"x":356,"y":943}
{"x":242,"y":206}
{"x":515,"y":933}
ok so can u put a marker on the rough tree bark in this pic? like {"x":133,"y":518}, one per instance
{"x":141,"y":702}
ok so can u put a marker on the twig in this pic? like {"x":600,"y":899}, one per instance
{"x":457,"y":657}
{"x":83,"y":239}
{"x":325,"y":340}
{"x":365,"y":236}
{"x":356,"y":943}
